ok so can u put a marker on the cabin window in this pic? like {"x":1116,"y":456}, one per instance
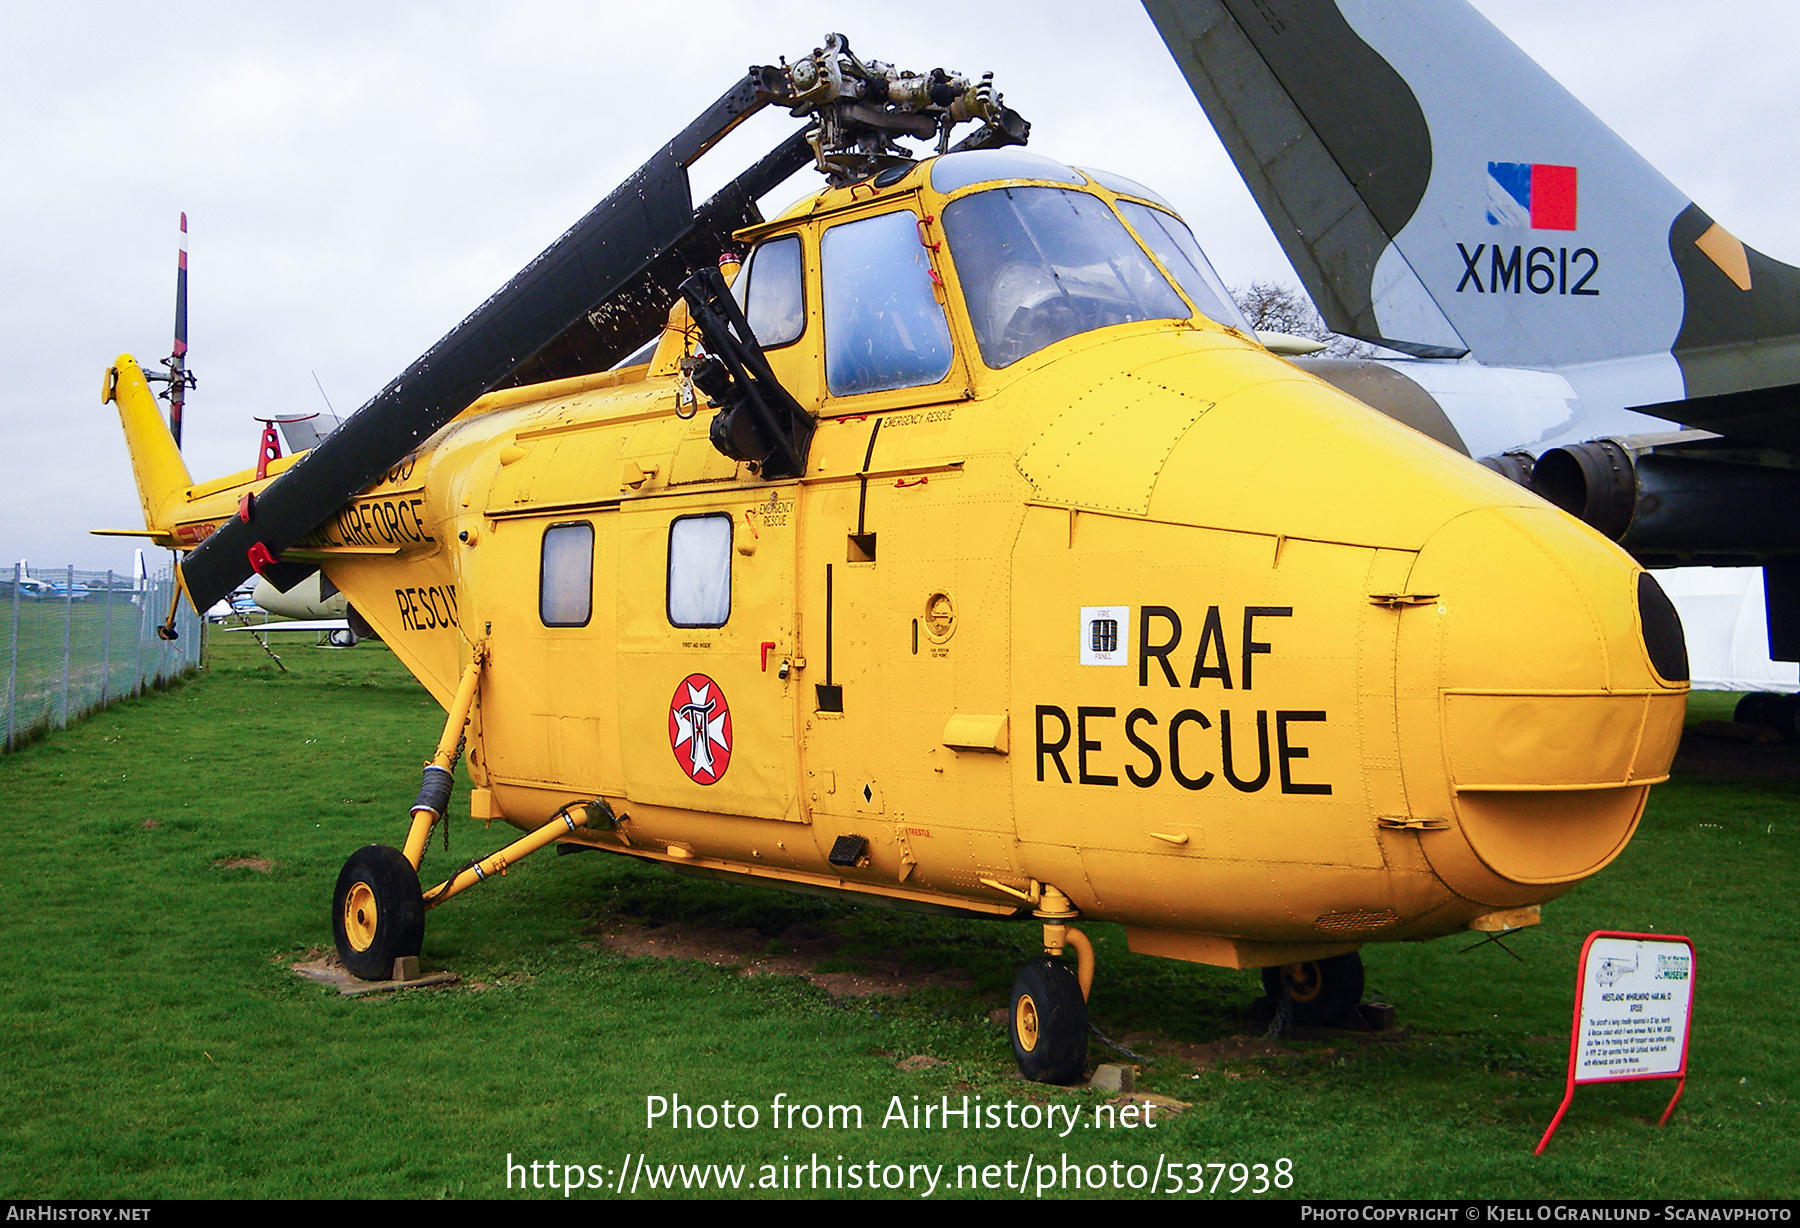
{"x":566,"y":575}
{"x":1124,"y":186}
{"x":959,"y":170}
{"x":771,"y":291}
{"x":1041,"y":264}
{"x":700,"y":571}
{"x":1168,"y":237}
{"x":884,"y":327}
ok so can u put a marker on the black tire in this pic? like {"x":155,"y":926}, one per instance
{"x":1320,"y":991}
{"x":1749,"y":710}
{"x":1048,"y":1023}
{"x":1784,"y":716}
{"x":1756,"y":708}
{"x":378,"y":912}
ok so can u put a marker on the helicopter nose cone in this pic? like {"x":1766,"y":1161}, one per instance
{"x":1538,"y":697}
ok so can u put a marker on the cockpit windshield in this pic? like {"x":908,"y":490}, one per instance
{"x":1040,"y":264}
{"x":1174,"y":245}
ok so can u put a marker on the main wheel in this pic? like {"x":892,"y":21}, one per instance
{"x":378,"y":913}
{"x":1784,"y":715}
{"x":1756,"y":708}
{"x":1321,"y":991}
{"x":1049,"y":1023}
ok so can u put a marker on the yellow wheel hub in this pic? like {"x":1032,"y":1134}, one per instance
{"x":359,"y":916}
{"x":1303,"y":981}
{"x":1025,"y":1022}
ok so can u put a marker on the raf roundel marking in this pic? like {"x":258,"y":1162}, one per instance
{"x":700,"y":729}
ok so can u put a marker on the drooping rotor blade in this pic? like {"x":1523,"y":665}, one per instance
{"x":582,"y":304}
{"x":624,"y":320}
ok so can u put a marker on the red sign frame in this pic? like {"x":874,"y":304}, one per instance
{"x":1581,"y":981}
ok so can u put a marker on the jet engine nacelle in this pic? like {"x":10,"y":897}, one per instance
{"x":1676,"y":498}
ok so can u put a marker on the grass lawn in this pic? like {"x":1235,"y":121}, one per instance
{"x":169,"y":858}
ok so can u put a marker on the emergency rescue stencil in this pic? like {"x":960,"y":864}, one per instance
{"x":1106,"y":635}
{"x":700,"y":729}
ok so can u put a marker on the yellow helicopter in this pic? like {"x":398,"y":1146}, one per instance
{"x":959,"y":549}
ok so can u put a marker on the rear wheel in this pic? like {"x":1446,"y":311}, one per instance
{"x":1321,"y":991}
{"x":1049,"y":1023}
{"x":378,"y":912}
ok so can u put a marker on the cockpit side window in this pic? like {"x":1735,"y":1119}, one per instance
{"x":1175,"y":245}
{"x":1041,"y":264}
{"x":884,"y":328}
{"x":771,"y":290}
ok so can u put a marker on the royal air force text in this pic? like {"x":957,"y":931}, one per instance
{"x":1247,"y":748}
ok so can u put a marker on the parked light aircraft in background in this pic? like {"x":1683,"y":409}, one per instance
{"x":314,"y":604}
{"x":1572,"y":318}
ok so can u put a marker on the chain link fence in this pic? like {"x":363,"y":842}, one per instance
{"x":78,"y":640}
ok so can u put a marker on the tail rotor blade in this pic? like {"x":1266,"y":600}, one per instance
{"x":178,"y":357}
{"x":181,"y":295}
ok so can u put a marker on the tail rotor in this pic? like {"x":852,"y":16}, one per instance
{"x":178,"y":378}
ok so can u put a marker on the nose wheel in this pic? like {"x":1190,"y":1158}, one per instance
{"x":1320,"y":991}
{"x":1049,"y":1023}
{"x":378,"y":912}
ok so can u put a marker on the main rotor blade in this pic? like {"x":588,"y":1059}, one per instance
{"x":610,"y":268}
{"x":620,"y":324}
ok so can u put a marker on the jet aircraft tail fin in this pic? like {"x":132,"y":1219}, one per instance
{"x":1441,"y":194}
{"x":162,"y":476}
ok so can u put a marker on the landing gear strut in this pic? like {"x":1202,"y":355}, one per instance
{"x":1048,"y":1021}
{"x":379,"y":912}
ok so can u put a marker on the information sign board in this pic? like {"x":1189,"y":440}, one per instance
{"x":1633,"y":999}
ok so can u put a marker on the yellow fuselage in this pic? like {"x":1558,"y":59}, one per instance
{"x":1150,"y":616}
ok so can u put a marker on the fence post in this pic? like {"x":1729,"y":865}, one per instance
{"x":62,"y":720}
{"x":106,"y":642}
{"x":149,"y":589}
{"x":12,"y":674}
{"x":159,"y":648}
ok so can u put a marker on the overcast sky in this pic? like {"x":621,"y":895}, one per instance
{"x":357,"y":177}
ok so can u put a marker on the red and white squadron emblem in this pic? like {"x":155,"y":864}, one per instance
{"x":700,"y":729}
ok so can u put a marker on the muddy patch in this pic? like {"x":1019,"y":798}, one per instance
{"x":324,"y":968}
{"x":262,"y":865}
{"x":803,"y":949}
{"x":1259,"y":1052}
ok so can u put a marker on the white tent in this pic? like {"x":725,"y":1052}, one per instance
{"x":1726,"y":625}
